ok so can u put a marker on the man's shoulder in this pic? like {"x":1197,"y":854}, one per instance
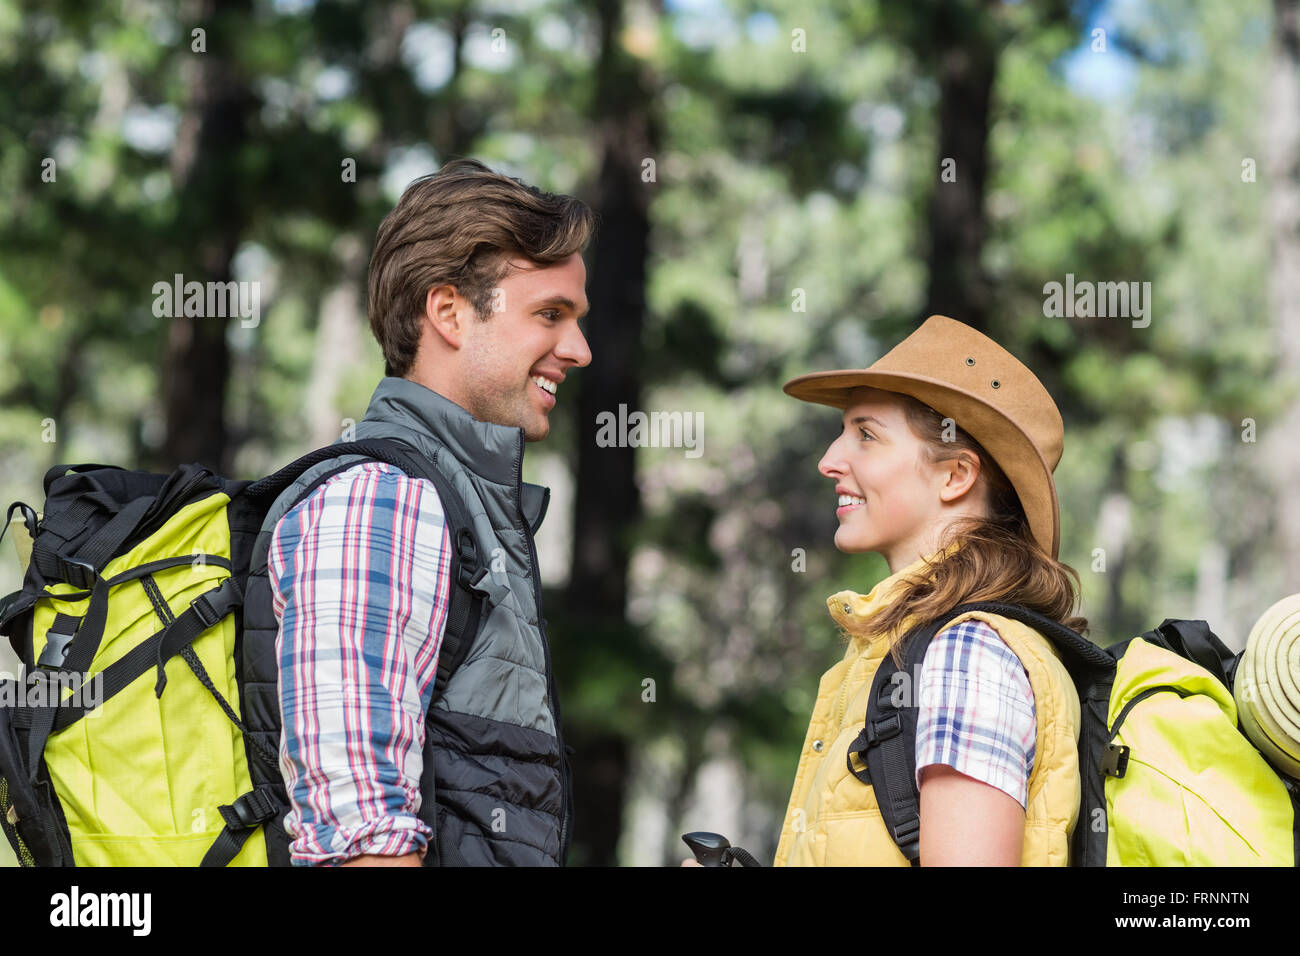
{"x":367,"y":485}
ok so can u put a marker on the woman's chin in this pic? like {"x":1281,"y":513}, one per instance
{"x":851,"y":543}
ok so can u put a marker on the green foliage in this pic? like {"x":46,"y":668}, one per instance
{"x":788,"y":235}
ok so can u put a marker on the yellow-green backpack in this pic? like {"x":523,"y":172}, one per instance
{"x":121,"y":742}
{"x":1169,"y":776}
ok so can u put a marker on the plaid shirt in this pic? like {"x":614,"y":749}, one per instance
{"x":977,"y":709}
{"x":359,"y":577}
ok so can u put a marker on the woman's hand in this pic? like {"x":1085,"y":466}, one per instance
{"x":966,"y":822}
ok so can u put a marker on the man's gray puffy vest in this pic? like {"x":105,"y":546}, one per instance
{"x":495,"y":785}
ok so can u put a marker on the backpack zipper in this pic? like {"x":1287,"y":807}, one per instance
{"x":1114,"y":760}
{"x":1123,"y":714}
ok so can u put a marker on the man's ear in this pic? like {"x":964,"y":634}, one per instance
{"x":443,"y":311}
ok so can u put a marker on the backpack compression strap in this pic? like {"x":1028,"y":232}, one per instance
{"x":887,"y":744}
{"x":263,"y":804}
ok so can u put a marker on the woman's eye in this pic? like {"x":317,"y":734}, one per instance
{"x":866,"y":434}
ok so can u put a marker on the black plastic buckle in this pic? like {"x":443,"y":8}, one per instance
{"x":1114,"y":762}
{"x":77,"y":572}
{"x":55,"y":650}
{"x":214,"y":605}
{"x":249,"y":810}
{"x":202,"y":609}
{"x":907,"y":829}
{"x":883,"y":728}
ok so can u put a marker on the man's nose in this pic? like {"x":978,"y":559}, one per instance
{"x":574,"y":348}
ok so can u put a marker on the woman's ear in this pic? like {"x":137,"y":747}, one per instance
{"x":959,"y":476}
{"x":442,"y":306}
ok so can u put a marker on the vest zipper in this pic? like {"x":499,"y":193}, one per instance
{"x":844,"y":698}
{"x":565,"y":796}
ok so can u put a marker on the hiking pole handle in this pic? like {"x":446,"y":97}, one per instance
{"x":710,"y":849}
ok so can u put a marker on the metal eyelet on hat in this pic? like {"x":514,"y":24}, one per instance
{"x":996,"y":384}
{"x":970,"y":360}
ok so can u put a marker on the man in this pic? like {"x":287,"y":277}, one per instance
{"x":476,"y":289}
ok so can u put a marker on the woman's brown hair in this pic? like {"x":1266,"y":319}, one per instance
{"x":999,"y":560}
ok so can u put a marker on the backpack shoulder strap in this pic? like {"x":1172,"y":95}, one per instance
{"x":466,"y":565}
{"x":887,"y":743}
{"x":265,"y":803}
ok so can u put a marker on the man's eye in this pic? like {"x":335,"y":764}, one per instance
{"x":866,"y":434}
{"x":551,"y":314}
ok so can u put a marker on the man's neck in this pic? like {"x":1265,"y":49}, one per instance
{"x":425,"y":376}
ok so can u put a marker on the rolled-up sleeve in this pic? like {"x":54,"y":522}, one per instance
{"x":977,"y":712}
{"x":359,"y":576}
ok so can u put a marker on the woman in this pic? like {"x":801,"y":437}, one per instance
{"x":944,"y":467}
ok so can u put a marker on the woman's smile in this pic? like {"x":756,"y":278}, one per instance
{"x":848,"y":502}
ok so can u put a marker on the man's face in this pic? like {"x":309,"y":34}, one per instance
{"x":532,"y":334}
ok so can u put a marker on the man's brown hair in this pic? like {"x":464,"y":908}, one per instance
{"x":460,"y":226}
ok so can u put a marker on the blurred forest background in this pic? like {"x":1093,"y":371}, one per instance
{"x":771,"y":184}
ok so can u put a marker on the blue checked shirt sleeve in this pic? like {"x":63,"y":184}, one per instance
{"x":359,"y":576}
{"x":976,"y":709}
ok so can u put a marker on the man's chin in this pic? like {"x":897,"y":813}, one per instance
{"x":537,"y":432}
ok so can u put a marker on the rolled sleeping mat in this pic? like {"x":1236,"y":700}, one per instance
{"x":1267,"y":685}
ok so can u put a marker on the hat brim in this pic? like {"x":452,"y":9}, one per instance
{"x":1004,"y":439}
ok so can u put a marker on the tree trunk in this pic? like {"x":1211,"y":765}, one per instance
{"x":211,"y":134}
{"x":607,"y":500}
{"x":957,"y":286}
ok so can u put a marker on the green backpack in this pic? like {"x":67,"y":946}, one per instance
{"x":122,"y":744}
{"x":1168,"y":776}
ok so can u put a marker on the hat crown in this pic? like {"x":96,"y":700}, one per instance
{"x":952,"y":353}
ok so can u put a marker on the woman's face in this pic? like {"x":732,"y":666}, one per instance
{"x":890,"y":498}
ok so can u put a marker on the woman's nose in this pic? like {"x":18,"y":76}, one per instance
{"x":830,"y":465}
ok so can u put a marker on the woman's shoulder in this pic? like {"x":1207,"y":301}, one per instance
{"x":971,"y":636}
{"x":972,"y":651}
{"x":977,"y":711}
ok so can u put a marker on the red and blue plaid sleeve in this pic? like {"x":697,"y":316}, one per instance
{"x":976,"y":709}
{"x":359,"y":575}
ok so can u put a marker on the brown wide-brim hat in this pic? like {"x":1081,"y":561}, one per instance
{"x":964,"y":375}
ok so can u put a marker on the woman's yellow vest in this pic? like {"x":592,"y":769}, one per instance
{"x":833,"y":818}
